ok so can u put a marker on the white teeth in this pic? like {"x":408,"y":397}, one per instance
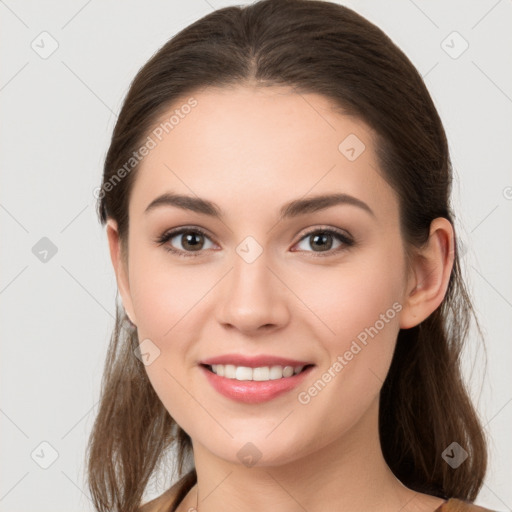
{"x":276,"y":372}
{"x":261,"y":373}
{"x":243,"y":373}
{"x":229,"y":371}
{"x":287,"y":371}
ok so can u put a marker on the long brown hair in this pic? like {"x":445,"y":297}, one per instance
{"x":325,"y":48}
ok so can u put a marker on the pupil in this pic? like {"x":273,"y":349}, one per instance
{"x":189,"y":240}
{"x":323,"y":239}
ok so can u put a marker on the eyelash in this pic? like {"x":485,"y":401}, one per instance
{"x":348,"y":242}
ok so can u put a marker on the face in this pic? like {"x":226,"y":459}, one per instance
{"x":321,"y":285}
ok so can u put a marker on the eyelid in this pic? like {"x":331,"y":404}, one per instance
{"x":325,"y":228}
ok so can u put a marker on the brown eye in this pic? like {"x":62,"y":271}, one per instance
{"x":185,"y":241}
{"x":322,"y":241}
{"x":192,"y":240}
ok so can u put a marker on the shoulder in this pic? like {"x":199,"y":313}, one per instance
{"x":161,"y":503}
{"x":455,"y":505}
{"x":170,"y":499}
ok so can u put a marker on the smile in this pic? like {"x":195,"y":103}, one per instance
{"x":261,"y":373}
{"x":254,"y":385}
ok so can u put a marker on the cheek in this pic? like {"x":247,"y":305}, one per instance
{"x":164,"y":294}
{"x":360,"y":305}
{"x":164,"y":298}
{"x":353,"y":297}
{"x":358,"y":357}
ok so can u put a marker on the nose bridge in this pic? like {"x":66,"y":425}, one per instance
{"x":253,"y":296}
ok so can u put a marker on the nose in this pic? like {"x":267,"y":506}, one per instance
{"x":253,"y":298}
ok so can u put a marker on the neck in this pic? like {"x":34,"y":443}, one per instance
{"x":349,"y":472}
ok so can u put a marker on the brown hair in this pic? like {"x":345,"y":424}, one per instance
{"x":324,"y":48}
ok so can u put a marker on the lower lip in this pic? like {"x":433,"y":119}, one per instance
{"x":251,"y":391}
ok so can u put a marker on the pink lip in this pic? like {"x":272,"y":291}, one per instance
{"x":255,"y":361}
{"x":253,"y":392}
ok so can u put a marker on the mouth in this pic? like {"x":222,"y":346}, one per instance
{"x":259,"y":374}
{"x":254,"y":385}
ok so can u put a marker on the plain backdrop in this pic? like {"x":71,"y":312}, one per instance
{"x":65,"y":68}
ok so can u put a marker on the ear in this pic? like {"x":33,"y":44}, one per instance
{"x":120,"y":267}
{"x":430,"y":274}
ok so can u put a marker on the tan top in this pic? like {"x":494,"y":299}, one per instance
{"x":170,"y":499}
{"x":167,"y":503}
{"x":454,"y":505}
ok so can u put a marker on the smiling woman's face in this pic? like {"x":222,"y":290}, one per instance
{"x":258,"y":284}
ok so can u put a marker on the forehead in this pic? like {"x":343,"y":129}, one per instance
{"x":258,"y":147}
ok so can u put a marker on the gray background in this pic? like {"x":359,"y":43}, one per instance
{"x":58,"y":112}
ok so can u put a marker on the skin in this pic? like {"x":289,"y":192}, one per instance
{"x":250,"y":150}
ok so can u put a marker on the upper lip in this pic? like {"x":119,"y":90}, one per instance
{"x":253,"y":361}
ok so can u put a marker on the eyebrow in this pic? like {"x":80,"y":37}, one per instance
{"x":291,"y":209}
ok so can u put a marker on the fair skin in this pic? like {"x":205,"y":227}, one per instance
{"x":251,"y":150}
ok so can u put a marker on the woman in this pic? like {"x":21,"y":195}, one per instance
{"x":277,"y":202}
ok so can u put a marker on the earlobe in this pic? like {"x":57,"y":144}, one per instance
{"x":432,"y":267}
{"x":120,"y":269}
